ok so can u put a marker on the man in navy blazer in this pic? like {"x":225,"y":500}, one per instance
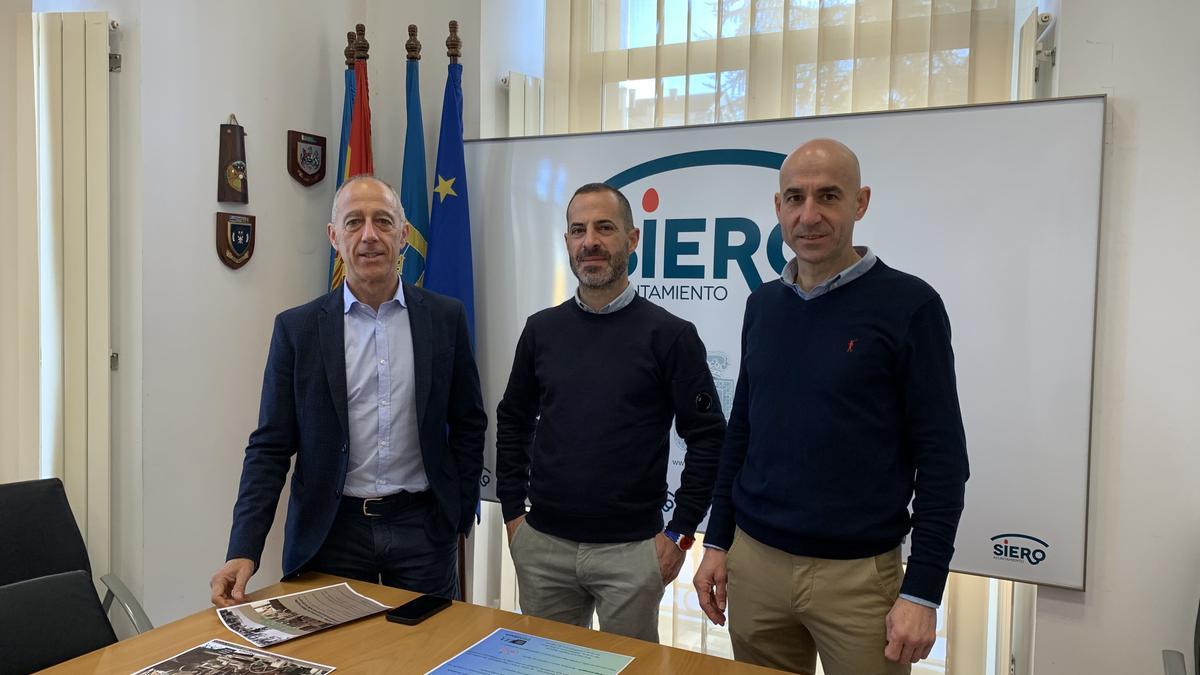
{"x":374,"y":389}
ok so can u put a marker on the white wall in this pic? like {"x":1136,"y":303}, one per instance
{"x":125,"y":225}
{"x":1144,"y":537}
{"x":515,"y":41}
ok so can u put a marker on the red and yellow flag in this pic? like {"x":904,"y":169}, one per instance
{"x":354,"y":155}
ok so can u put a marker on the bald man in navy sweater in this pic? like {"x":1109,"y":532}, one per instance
{"x":846,"y":408}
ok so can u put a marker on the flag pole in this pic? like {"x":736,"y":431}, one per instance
{"x":453,"y":43}
{"x":362,"y":52}
{"x":448,"y":263}
{"x":414,"y":190}
{"x":347,"y":107}
{"x":413,"y":45}
{"x":357,"y":133}
{"x":336,"y":267}
{"x":454,"y":51}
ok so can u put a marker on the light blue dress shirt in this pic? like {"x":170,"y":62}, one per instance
{"x":618,"y":303}
{"x":859,"y":268}
{"x":385,"y":448}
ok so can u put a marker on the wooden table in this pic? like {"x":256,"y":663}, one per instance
{"x":373,"y":645}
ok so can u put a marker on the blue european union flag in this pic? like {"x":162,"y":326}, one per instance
{"x":413,"y":184}
{"x":448,"y":262}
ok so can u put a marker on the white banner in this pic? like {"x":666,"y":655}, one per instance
{"x":995,"y":206}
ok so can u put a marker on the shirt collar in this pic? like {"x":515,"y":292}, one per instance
{"x":618,"y":303}
{"x":348,"y":297}
{"x":859,"y":268}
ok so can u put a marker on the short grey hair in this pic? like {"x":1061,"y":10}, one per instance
{"x":361,"y":177}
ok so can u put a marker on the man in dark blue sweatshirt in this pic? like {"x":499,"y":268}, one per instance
{"x":846,"y":408}
{"x":583,"y":433}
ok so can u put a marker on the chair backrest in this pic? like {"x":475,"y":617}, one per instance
{"x":48,"y":620}
{"x":38,"y":534}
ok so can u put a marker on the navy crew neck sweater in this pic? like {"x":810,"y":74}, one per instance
{"x":583,"y":429}
{"x":846,"y":406}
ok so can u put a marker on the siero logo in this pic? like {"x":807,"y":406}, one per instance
{"x":1018,"y":548}
{"x":685,"y":255}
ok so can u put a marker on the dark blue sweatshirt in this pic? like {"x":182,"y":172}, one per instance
{"x":846,"y":407}
{"x":584,"y":427}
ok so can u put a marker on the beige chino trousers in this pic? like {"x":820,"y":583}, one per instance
{"x":785,"y":609}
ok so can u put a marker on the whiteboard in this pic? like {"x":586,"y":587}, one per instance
{"x":996,"y":206}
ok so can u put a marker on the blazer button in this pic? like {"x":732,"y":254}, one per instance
{"x":337,"y":493}
{"x":343,"y":448}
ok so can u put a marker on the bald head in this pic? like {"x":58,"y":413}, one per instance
{"x":823,"y":155}
{"x":820,"y":198}
{"x":353,"y":183}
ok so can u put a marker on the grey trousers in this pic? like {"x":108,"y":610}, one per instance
{"x":566,"y":581}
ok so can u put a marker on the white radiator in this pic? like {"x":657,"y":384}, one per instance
{"x":71,"y":65}
{"x":524,"y":104}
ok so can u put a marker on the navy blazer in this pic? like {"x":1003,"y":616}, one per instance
{"x":303,"y":413}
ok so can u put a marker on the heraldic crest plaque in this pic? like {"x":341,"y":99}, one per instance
{"x":306,"y":157}
{"x":232,"y":184}
{"x":235,"y":239}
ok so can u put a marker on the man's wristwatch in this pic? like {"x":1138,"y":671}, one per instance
{"x":683,"y":541}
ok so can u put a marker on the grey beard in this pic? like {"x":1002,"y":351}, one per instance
{"x":602,"y":279}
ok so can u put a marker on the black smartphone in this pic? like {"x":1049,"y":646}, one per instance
{"x":418,"y":609}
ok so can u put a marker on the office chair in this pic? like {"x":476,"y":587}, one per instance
{"x":1173,"y":663}
{"x":47,"y":620}
{"x":39,"y":537}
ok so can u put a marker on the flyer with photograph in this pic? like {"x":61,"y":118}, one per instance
{"x":275,"y":620}
{"x":508,"y":652}
{"x":226,"y":658}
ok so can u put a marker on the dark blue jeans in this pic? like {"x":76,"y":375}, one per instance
{"x":414,"y":548}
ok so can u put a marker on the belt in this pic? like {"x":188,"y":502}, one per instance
{"x":374,"y":507}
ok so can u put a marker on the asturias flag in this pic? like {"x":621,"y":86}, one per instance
{"x":413,"y":196}
{"x":343,"y":149}
{"x":448,"y":262}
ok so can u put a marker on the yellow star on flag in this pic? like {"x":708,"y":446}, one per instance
{"x":445,"y":187}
